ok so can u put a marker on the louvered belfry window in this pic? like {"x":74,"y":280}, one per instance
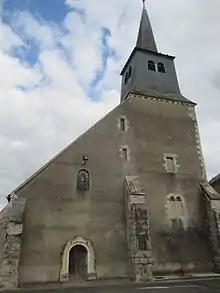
{"x":151,"y":65}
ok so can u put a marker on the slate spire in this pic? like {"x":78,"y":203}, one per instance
{"x":145,"y":38}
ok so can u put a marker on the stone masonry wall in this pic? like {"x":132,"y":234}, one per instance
{"x":212,"y":204}
{"x":215,"y":232}
{"x":11,"y":226}
{"x":139,"y":243}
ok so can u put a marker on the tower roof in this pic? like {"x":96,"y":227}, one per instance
{"x":145,"y":38}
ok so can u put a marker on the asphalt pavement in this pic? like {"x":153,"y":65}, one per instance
{"x":209,"y":285}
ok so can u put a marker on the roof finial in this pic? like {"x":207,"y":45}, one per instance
{"x":143,"y":2}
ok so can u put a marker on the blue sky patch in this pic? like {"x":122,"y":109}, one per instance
{"x":27,"y":54}
{"x":49,"y":10}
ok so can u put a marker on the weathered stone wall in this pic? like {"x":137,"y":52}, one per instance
{"x":216,"y":184}
{"x":11,"y":228}
{"x":57,"y":213}
{"x":212,"y":206}
{"x":138,"y":231}
{"x":164,"y":127}
{"x":215,"y":232}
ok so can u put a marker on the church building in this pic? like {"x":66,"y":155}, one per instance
{"x":129,"y":199}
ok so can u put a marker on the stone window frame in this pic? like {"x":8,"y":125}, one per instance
{"x":174,"y":157}
{"x":91,"y":268}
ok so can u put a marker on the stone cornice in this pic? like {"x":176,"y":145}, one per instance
{"x":165,"y":100}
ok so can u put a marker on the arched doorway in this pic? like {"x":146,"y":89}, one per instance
{"x":78,"y":262}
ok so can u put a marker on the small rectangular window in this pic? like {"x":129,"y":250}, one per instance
{"x":122,"y":124}
{"x":125,"y":153}
{"x":170,"y":164}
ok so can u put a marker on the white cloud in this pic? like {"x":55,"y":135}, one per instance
{"x":120,"y":17}
{"x":35,"y":124}
{"x":83,"y":42}
{"x":44,"y":119}
{"x":46,"y":34}
{"x":7,"y":38}
{"x":17,"y":73}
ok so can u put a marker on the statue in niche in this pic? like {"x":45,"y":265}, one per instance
{"x":83,"y":180}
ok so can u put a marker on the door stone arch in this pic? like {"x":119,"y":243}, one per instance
{"x":91,"y":270}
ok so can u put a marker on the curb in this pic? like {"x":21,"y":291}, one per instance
{"x":186,"y":279}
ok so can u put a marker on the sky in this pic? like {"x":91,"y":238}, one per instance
{"x":60,"y":66}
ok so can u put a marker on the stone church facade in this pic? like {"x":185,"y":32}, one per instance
{"x":128,"y":199}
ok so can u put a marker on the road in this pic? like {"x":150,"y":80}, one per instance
{"x":189,"y":286}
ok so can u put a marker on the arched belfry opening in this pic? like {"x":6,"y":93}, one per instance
{"x":78,"y":261}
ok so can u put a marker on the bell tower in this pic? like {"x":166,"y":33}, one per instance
{"x":147,"y":71}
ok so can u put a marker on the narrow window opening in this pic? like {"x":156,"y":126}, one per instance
{"x":151,"y":66}
{"x":176,"y":212}
{"x":172,"y":207}
{"x":161,"y":67}
{"x":125,"y":153}
{"x":179,"y":207}
{"x":122,"y":124}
